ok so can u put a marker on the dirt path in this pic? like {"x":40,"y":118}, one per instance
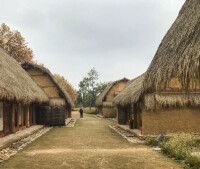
{"x":90,"y":144}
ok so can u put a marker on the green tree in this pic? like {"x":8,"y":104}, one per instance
{"x":15,"y":44}
{"x":89,"y":89}
{"x":93,"y":76}
{"x":101,"y":87}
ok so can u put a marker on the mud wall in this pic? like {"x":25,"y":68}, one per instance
{"x":116,"y":88}
{"x":109,"y":112}
{"x":171,"y":120}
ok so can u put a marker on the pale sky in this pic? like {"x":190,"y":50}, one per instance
{"x":117,"y":37}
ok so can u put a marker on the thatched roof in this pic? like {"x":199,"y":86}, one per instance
{"x":158,"y":101}
{"x":99,"y":101}
{"x":179,"y":52}
{"x":16,"y":84}
{"x":131,"y":93}
{"x":66,"y":96}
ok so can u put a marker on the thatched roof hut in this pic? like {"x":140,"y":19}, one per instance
{"x":63,"y":92}
{"x":166,"y":98}
{"x":100,"y":99}
{"x":16,"y":84}
{"x":131,"y":93}
{"x":178,"y":56}
{"x":179,"y":52}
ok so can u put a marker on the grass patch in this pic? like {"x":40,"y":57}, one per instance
{"x":110,"y":117}
{"x":181,"y":147}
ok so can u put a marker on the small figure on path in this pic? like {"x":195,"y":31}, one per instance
{"x":81,"y":113}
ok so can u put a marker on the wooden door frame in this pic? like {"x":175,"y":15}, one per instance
{"x":11,"y":114}
{"x":16,"y":128}
{"x":4,"y":127}
{"x":30,"y":115}
{"x":34,"y":108}
{"x":10,"y":119}
{"x":135,"y":115}
{"x":23,"y":107}
{"x":137,"y":112}
{"x":20,"y":128}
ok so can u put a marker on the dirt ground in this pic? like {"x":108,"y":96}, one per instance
{"x":91,"y":144}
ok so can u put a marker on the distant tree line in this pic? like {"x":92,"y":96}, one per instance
{"x":90,"y":89}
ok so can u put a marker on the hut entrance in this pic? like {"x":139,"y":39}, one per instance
{"x":100,"y":109}
{"x":32,"y":109}
{"x":121,"y":116}
{"x":24,"y":115}
{"x":5,"y":119}
{"x":53,"y":116}
{"x":127,"y":115}
{"x":18,"y":116}
{"x":137,"y":116}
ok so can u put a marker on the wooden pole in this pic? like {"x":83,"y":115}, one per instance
{"x":12,"y":118}
{"x":27,"y":115}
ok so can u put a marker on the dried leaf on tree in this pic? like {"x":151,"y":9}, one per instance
{"x":15,"y":44}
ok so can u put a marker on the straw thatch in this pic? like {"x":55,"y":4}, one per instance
{"x":99,"y":101}
{"x":16,"y":84}
{"x":68,"y":99}
{"x":108,"y":104}
{"x":131,"y":93}
{"x":179,"y":52}
{"x":159,"y":100}
{"x":57,"y":102}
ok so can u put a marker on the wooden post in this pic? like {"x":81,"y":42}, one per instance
{"x":27,"y":115}
{"x":17,"y":116}
{"x":12,"y":118}
{"x":4,"y":118}
{"x":66,"y":116}
{"x":138,"y":116}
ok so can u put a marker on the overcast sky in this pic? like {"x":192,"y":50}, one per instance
{"x":117,"y":37}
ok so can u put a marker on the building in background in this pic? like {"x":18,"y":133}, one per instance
{"x":129,"y":103}
{"x":104,"y":102}
{"x":59,"y":106}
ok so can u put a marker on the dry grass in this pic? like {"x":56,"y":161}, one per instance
{"x":178,"y":53}
{"x":159,"y":100}
{"x":180,"y":146}
{"x":16,"y":84}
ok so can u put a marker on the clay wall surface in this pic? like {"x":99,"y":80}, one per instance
{"x":116,"y":88}
{"x":171,"y":120}
{"x":109,"y":112}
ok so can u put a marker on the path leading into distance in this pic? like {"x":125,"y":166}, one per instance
{"x":91,"y":144}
